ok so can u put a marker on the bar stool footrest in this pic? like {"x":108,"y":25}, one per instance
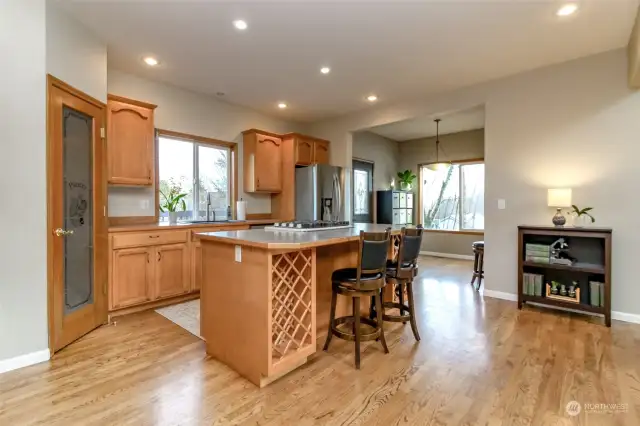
{"x":395,"y":318}
{"x":348,"y":335}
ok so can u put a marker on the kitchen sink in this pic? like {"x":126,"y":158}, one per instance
{"x":211,"y":221}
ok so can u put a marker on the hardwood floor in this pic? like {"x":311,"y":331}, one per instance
{"x":480,"y":362}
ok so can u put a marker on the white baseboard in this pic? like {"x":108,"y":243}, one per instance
{"x":623,"y":316}
{"x":24,"y":360}
{"x":447,"y":255}
{"x":500,"y":295}
{"x":620,"y":316}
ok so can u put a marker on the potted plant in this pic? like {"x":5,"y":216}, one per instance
{"x":173,"y":200}
{"x":406,"y":179}
{"x":581,"y":216}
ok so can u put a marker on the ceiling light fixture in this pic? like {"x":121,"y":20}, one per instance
{"x":567,"y":9}
{"x":282,"y":105}
{"x":372,"y":98}
{"x":240,"y":24}
{"x":151,"y":61}
{"x":437,"y":166}
{"x":325,"y":70}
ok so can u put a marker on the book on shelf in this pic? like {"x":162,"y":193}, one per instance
{"x":594,"y":293}
{"x":532,"y":284}
{"x":537,"y":259}
{"x":538,"y":248}
{"x":601,"y":291}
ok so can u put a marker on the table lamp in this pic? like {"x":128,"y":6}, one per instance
{"x":559,"y":198}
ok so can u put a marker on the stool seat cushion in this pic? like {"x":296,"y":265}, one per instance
{"x":351,"y":274}
{"x":392,"y":266}
{"x":478,"y":244}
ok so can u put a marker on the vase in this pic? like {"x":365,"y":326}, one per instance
{"x":173,"y":218}
{"x":405,"y":186}
{"x":581,"y":221}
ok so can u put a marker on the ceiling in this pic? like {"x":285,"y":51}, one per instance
{"x":397,"y":50}
{"x":424,"y":127}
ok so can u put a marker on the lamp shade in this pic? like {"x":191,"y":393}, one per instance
{"x":559,"y":197}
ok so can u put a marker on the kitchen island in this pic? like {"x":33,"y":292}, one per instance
{"x":266,"y":295}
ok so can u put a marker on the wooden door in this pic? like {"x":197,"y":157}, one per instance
{"x":77,"y":227}
{"x":321,"y":152}
{"x":268,"y":163}
{"x":132,"y":276}
{"x":172,"y":270}
{"x":130,"y":139}
{"x":303,"y":152}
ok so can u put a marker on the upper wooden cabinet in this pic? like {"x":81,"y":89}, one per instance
{"x":130,"y":141}
{"x":320,"y":152}
{"x":303,"y":151}
{"x":262,"y":159}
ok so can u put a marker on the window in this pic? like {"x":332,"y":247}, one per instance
{"x":201,"y":170}
{"x":453,"y":197}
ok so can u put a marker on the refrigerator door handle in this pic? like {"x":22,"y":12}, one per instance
{"x":337,"y":196}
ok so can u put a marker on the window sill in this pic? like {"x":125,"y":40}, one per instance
{"x":445,"y":231}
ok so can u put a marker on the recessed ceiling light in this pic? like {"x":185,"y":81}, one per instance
{"x":567,"y":9}
{"x":151,"y":61}
{"x":240,"y":24}
{"x":325,"y":70}
{"x":282,"y":105}
{"x":372,"y":98}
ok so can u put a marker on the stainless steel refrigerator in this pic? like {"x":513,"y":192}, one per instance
{"x":323,"y":192}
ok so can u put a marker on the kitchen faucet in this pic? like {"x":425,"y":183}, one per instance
{"x":209,"y":207}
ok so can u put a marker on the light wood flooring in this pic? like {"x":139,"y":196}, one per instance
{"x":480,"y":362}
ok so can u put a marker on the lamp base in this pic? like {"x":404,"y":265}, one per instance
{"x":558,"y":218}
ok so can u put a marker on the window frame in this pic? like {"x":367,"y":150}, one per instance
{"x":462,"y":231}
{"x":198,"y":140}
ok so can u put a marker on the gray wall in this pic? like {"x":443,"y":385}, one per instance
{"x":453,"y":147}
{"x":383,"y":152}
{"x":23,"y":254}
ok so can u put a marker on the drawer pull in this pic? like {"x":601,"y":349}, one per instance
{"x":154,"y":236}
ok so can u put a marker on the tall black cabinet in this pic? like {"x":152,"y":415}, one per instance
{"x":394,"y":207}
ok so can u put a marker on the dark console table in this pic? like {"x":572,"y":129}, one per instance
{"x":589,"y":250}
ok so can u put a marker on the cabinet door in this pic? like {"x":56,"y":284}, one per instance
{"x":132,"y":277}
{"x":304,"y":152}
{"x":130,"y":144}
{"x":395,"y":203}
{"x":321,"y":152}
{"x":409,"y":216}
{"x":268,"y":164}
{"x":403,"y":200}
{"x":409,"y":200}
{"x":396,"y":217}
{"x":172,"y":270}
{"x":403,"y":217}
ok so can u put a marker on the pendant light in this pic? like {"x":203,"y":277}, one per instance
{"x":437,"y":166}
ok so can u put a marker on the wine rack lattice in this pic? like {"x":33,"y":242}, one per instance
{"x":291,"y":310}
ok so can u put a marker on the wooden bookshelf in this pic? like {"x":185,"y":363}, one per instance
{"x":592,"y":249}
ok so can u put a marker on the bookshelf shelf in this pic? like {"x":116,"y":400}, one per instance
{"x":592,"y":249}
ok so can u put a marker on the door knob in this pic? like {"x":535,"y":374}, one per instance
{"x":62,"y":232}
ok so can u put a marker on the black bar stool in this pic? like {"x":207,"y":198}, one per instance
{"x":478,"y":263}
{"x":401,"y":273}
{"x":364,"y":281}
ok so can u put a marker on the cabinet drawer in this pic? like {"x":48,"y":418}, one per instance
{"x":396,"y":217}
{"x":403,"y":217}
{"x":396,"y":200}
{"x":149,"y":238}
{"x":409,"y":216}
{"x":403,"y":200}
{"x":409,"y":201}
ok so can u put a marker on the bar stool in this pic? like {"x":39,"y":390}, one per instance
{"x":478,"y":263}
{"x":364,"y":281}
{"x":401,"y":273}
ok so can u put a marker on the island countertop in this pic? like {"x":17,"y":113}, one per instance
{"x":294,"y":240}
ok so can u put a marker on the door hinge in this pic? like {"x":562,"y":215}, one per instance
{"x":104,"y":211}
{"x":102,"y":133}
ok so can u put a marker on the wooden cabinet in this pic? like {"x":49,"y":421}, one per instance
{"x":130,"y":142}
{"x":132,"y":277}
{"x":262,"y":158}
{"x":321,"y":152}
{"x":172,"y":270}
{"x":303,"y":151}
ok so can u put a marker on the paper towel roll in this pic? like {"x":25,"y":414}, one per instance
{"x":241,"y":210}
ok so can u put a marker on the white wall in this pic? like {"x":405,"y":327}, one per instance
{"x":23,"y":252}
{"x":183,"y":111}
{"x":570,"y":125}
{"x":384,"y":154}
{"x":75,"y":55}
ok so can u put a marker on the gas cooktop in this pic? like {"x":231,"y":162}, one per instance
{"x":306,"y":226}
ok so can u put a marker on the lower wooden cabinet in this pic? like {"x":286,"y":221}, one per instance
{"x":196,"y":278}
{"x":132,"y":277}
{"x":172,"y":270}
